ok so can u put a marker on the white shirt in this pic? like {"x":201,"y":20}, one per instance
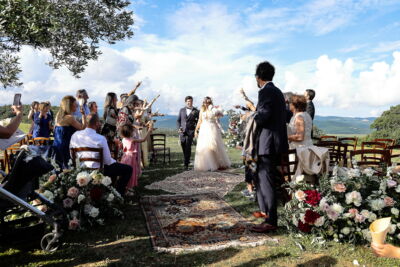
{"x":89,"y":138}
{"x":188,"y":110}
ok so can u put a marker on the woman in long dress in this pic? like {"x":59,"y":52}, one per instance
{"x":210,"y":149}
{"x":300,"y":126}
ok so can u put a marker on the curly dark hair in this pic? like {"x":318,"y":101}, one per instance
{"x":299,"y":102}
{"x":126,"y":130}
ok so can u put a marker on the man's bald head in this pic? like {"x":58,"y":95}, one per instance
{"x":93,"y":121}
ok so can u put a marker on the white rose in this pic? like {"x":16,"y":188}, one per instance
{"x":110,"y":197}
{"x":74,"y":214}
{"x":337,"y":207}
{"x":354,"y":197}
{"x":369,"y":172}
{"x":394,"y":211}
{"x":366,"y":234}
{"x":365,"y":213}
{"x":398,"y":236}
{"x":94,"y":212}
{"x":398,"y":189}
{"x":320,"y":221}
{"x":372,"y":217}
{"x":83,"y":178}
{"x":106,"y":181}
{"x":377,"y":204}
{"x":299,"y":179}
{"x":392,"y":229}
{"x":346,"y":230}
{"x":302,"y":218}
{"x":300,"y":195}
{"x":81,"y":198}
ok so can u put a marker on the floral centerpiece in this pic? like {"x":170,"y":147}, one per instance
{"x":88,"y":197}
{"x":344,"y":204}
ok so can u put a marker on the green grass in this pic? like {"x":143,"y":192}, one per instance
{"x":125,"y":242}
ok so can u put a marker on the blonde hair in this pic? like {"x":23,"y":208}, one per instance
{"x":204,"y":105}
{"x":65,"y":107}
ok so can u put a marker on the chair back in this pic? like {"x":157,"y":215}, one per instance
{"x":158,"y":141}
{"x":370,"y":157}
{"x":394,"y":153}
{"x":41,"y":141}
{"x":328,"y":138}
{"x":387,"y":141}
{"x":10,"y":154}
{"x":99,"y":159}
{"x":351,"y":141}
{"x":288,"y":164}
{"x":337,"y":151}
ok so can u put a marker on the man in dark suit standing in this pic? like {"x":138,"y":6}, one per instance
{"x":310,"y":94}
{"x":186,"y":123}
{"x":272,"y":141}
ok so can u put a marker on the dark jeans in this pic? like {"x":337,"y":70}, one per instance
{"x":266,"y":189}
{"x":186,"y":143}
{"x":123,"y":171}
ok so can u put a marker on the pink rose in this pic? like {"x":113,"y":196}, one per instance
{"x":353,"y":212}
{"x":73,"y":224}
{"x":389,"y":202}
{"x":300,"y":195}
{"x":359,"y":218}
{"x":73,"y":192}
{"x":68,"y":202}
{"x":391,"y":183}
{"x":339,"y":188}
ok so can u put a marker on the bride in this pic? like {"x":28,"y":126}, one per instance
{"x":210,"y":149}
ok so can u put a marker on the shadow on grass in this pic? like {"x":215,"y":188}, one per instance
{"x":320,"y":261}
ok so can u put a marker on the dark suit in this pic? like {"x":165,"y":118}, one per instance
{"x":310,"y":109}
{"x":187,"y":124}
{"x":272,"y":141}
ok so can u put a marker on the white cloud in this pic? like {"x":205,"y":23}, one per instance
{"x":387,"y":47}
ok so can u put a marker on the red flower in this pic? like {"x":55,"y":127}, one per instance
{"x":304,"y":227}
{"x":311,"y":216}
{"x":96,"y":193}
{"x":313,"y":197}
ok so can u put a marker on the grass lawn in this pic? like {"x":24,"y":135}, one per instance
{"x":125,"y":242}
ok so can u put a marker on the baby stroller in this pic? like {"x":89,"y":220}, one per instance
{"x":18,"y":218}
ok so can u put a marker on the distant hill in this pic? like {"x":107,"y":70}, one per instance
{"x":329,"y":124}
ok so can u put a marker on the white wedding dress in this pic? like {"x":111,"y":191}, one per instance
{"x":210,"y":149}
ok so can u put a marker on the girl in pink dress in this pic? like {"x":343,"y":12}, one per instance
{"x":131,"y":151}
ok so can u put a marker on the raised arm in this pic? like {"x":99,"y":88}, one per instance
{"x":7,"y":131}
{"x":132,"y":92}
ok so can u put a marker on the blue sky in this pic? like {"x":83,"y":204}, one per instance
{"x":348,"y":51}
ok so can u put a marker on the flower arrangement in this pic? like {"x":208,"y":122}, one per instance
{"x":235,"y":128}
{"x":344,"y":204}
{"x":88,"y":197}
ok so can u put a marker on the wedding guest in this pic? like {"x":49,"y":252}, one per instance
{"x":310,"y":94}
{"x":300,"y":126}
{"x":110,"y":117}
{"x":42,"y":121}
{"x":34,"y":108}
{"x":51,"y":114}
{"x":186,"y":124}
{"x":82,"y":101}
{"x":126,"y":113}
{"x":272,"y":141}
{"x":92,"y":107}
{"x":122,"y":98}
{"x":7,"y":131}
{"x":289,"y":113}
{"x":141,"y":120}
{"x":66,"y":125}
{"x":131,"y":151}
{"x":90,"y":138}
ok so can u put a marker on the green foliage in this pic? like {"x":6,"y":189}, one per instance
{"x":387,"y":125}
{"x":70,"y":30}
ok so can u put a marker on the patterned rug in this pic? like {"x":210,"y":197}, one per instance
{"x":198,"y":222}
{"x":194,"y":182}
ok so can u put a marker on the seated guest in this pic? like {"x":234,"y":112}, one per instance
{"x":90,"y":138}
{"x":7,"y":131}
{"x":92,"y":107}
{"x":300,"y":126}
{"x":66,"y":125}
{"x":42,"y":121}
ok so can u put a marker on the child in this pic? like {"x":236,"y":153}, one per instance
{"x":131,"y":151}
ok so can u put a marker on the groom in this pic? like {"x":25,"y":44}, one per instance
{"x":186,"y":123}
{"x":272,"y":141}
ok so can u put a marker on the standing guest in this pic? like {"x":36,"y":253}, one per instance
{"x":34,"y":109}
{"x":92,"y":107}
{"x":272,"y":139}
{"x":90,"y":138}
{"x":186,"y":123}
{"x":126,"y":113}
{"x":42,"y":121}
{"x":51,"y":113}
{"x":66,"y":125}
{"x":110,"y":117}
{"x":131,"y":151}
{"x":289,"y":113}
{"x":142,"y":120}
{"x":82,"y":100}
{"x":310,"y":94}
{"x":122,"y":98}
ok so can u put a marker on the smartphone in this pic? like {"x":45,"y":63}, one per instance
{"x":17,"y":100}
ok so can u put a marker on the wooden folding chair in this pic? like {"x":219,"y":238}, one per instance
{"x":99,"y":159}
{"x":386,"y":141}
{"x":337,"y":152}
{"x":10,"y":154}
{"x":368,"y":157}
{"x":288,"y":165}
{"x":394,"y":154}
{"x":41,"y":141}
{"x":372,"y":145}
{"x":159,"y":146}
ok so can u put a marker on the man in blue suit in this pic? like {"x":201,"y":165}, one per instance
{"x":272,"y":142}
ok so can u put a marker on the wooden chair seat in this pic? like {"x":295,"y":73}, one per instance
{"x":41,"y":141}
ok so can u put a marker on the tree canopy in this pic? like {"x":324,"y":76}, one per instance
{"x":71,"y":30}
{"x":387,"y":125}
